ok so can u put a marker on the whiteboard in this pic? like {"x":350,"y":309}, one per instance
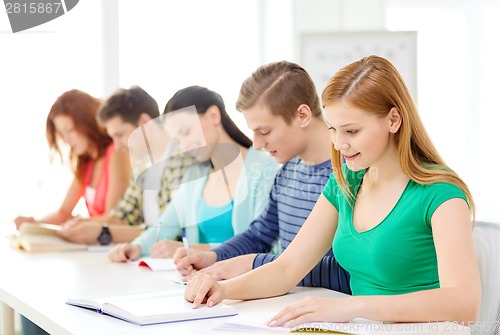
{"x":323,"y":54}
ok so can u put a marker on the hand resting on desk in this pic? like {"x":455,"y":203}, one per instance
{"x":124,"y":251}
{"x":22,"y":219}
{"x":204,"y":289}
{"x":81,"y":231}
{"x":311,"y":309}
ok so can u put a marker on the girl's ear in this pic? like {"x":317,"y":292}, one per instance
{"x":394,"y":118}
{"x":213,"y":113}
{"x":304,"y":115}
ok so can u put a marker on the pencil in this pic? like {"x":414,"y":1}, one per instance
{"x":158,"y":231}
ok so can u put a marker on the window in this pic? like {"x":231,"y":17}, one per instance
{"x":457,"y":75}
{"x":182,"y":43}
{"x":36,"y":67}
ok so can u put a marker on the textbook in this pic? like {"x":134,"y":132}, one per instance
{"x":39,"y":228}
{"x":256,"y":322}
{"x":152,"y":307}
{"x":42,"y":237}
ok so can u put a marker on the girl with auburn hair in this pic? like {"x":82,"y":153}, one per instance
{"x":101,"y":173}
{"x":377,"y":94}
{"x":399,"y":220}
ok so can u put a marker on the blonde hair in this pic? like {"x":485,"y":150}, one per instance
{"x":282,"y":87}
{"x":374,"y":85}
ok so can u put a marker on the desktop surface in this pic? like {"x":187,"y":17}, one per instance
{"x":38,"y":284}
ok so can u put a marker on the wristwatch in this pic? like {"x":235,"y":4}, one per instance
{"x":105,"y":237}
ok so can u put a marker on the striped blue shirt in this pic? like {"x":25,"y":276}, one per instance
{"x":295,"y":191}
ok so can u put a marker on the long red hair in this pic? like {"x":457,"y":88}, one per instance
{"x":374,"y":85}
{"x":82,"y":109}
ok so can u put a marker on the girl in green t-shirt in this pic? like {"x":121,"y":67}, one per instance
{"x":399,"y":219}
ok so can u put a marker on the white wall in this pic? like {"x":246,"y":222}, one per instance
{"x":166,"y":45}
{"x":456,"y":73}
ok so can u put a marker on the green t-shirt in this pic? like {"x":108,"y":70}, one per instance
{"x":397,"y":256}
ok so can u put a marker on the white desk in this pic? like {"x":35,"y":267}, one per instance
{"x":37,"y":285}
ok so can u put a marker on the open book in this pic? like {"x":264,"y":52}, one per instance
{"x":256,"y":322}
{"x":156,"y":264}
{"x":162,"y":267}
{"x":38,"y":237}
{"x":152,"y":307}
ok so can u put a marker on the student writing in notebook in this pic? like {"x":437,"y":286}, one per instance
{"x":400,"y":220}
{"x":101,"y":172}
{"x":155,"y":178}
{"x":281,"y":106}
{"x":218,"y":197}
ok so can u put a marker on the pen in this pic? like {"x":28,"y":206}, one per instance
{"x":185,"y":241}
{"x":158,"y":231}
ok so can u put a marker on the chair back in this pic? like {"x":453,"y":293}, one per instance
{"x":486,"y":237}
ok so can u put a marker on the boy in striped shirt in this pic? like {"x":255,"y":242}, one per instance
{"x":281,"y":107}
